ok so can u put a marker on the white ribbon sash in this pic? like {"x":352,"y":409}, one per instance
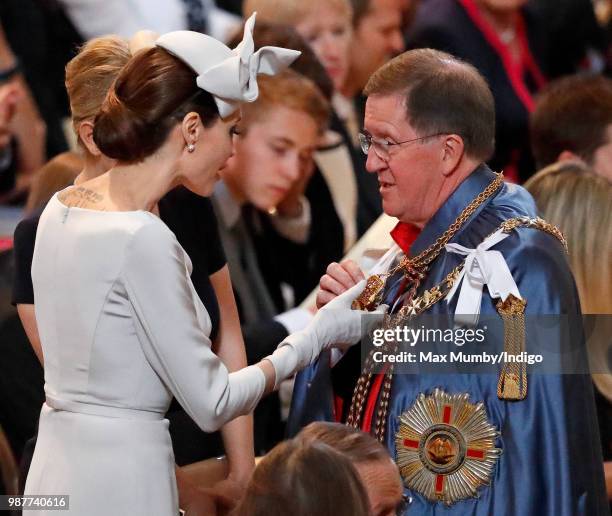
{"x":482,"y":267}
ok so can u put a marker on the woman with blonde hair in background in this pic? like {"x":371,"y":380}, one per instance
{"x":576,"y":200}
{"x":579,"y":202}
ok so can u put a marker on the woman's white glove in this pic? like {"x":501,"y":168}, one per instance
{"x":334,"y":325}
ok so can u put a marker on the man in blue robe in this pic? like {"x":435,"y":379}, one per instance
{"x":497,"y":441}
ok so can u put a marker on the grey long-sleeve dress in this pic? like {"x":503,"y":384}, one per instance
{"x":122,"y":331}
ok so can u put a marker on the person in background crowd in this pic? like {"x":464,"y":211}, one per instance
{"x":9,"y":96}
{"x":304,"y":478}
{"x":377,"y":37}
{"x":326,"y":26}
{"x":268,"y":172}
{"x":579,"y":202}
{"x":572,"y":121}
{"x":582,"y":209}
{"x":272,"y":163}
{"x":326,"y":235}
{"x":508,"y":47}
{"x":22,"y":149}
{"x":377,"y":471}
{"x":41,"y":40}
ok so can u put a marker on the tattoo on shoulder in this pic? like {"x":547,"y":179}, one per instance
{"x":81,"y":197}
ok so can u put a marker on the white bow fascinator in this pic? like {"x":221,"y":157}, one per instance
{"x":229,"y":75}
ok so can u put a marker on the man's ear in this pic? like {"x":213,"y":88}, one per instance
{"x":452,"y":152}
{"x":85,"y":130}
{"x":191,"y":128}
{"x":568,"y":156}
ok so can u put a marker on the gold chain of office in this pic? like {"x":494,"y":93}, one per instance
{"x":415,"y":268}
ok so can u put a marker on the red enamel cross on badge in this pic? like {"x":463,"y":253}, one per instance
{"x":446,"y":447}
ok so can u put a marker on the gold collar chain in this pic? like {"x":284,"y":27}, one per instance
{"x":422,"y":303}
{"x":415,"y":268}
{"x":431,"y":253}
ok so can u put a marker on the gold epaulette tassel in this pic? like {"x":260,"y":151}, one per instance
{"x":512,"y":384}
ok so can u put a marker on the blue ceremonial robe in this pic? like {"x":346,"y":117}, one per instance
{"x":551,"y":462}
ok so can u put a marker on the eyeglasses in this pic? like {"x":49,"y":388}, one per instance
{"x":381,"y":147}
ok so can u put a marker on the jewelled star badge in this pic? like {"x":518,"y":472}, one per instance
{"x":446,"y":447}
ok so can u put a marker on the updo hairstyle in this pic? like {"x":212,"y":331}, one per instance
{"x":153,"y":93}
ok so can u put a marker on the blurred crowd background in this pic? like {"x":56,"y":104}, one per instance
{"x":547,"y":62}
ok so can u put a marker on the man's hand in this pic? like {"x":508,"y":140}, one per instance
{"x":338,"y":278}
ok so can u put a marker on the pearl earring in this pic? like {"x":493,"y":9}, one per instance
{"x":190,"y":147}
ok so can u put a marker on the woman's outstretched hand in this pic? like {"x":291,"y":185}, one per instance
{"x":334,"y":325}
